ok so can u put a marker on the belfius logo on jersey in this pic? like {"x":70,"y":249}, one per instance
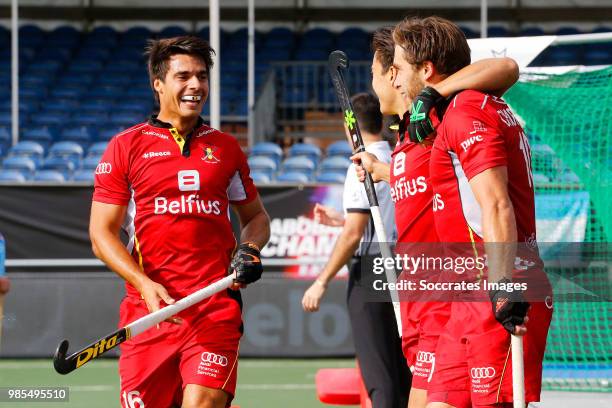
{"x":211,"y":154}
{"x":187,"y":180}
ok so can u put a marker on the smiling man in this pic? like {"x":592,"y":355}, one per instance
{"x":169,"y":183}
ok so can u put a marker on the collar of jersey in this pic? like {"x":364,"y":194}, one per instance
{"x":181,"y":141}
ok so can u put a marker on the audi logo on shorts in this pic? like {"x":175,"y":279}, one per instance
{"x":426,"y":357}
{"x":214,"y":359}
{"x":104,"y":168}
{"x":478,"y":373}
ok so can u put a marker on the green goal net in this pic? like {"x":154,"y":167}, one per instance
{"x":568,"y":118}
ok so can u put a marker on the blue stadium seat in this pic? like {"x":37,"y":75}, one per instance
{"x":24,"y":165}
{"x":292,"y":177}
{"x":122,"y":120}
{"x":11,"y":176}
{"x":567,"y":30}
{"x":89,"y":119}
{"x":336,"y":164}
{"x":85,"y":66}
{"x":136,"y":36}
{"x":280,"y":37}
{"x":330,"y":178}
{"x":97,"y":54}
{"x":83,"y":135}
{"x":531,"y":32}
{"x":268,"y":149}
{"x":469,"y":33}
{"x":90,"y":162}
{"x":96,"y":106}
{"x":84,"y":175}
{"x":67,"y":93}
{"x":598,"y":57}
{"x":66,"y":167}
{"x":5,"y":140}
{"x":497,"y":31}
{"x":103,"y":36}
{"x":110,"y":80}
{"x":353,"y":37}
{"x":263,"y":164}
{"x":105,"y":134}
{"x":126,"y":67}
{"x":301,"y":164}
{"x":97,"y":149}
{"x":339,"y":148}
{"x":310,"y":54}
{"x":31,"y":35}
{"x":70,"y":151}
{"x":305,"y":149}
{"x":41,"y":134}
{"x":320,"y":38}
{"x":30,"y":149}
{"x":260,"y":178}
{"x":47,"y":53}
{"x":172,"y":31}
{"x":49,"y":176}
{"x":106,"y":91}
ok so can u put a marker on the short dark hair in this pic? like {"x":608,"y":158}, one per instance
{"x":434,"y":39}
{"x":158,"y":53}
{"x":382,"y":42}
{"x":367,"y":112}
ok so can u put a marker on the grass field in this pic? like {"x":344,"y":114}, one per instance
{"x":269,"y":383}
{"x":261,"y":383}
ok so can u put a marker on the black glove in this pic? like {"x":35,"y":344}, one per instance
{"x":247,"y":263}
{"x":509,"y":308}
{"x":420,"y":127}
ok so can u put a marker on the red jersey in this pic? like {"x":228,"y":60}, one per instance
{"x":479,"y":132}
{"x":178,"y":190}
{"x":411,"y":189}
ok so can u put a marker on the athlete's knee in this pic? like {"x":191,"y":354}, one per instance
{"x":198,"y":396}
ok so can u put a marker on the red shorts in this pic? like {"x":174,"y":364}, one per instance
{"x":422,"y":324}
{"x":155,"y":366}
{"x":473,"y":357}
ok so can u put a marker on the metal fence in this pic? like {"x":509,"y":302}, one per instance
{"x":305,"y":104}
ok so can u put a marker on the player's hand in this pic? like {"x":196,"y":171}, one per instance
{"x":510,"y":310}
{"x":327,"y":216}
{"x":312,"y":296}
{"x":246,"y":265}
{"x":365,"y":162}
{"x":5,"y":285}
{"x":427,"y":104}
{"x":154,"y":294}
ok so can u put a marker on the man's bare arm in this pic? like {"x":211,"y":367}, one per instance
{"x":492,"y":75}
{"x":254,"y":223}
{"x":354,"y":226}
{"x":104,"y":228}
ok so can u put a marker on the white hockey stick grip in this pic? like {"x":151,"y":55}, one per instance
{"x":518,"y":372}
{"x":152,"y":319}
{"x":385,"y":251}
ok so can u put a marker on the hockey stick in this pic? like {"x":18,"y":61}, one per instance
{"x":64,"y":365}
{"x":337,"y":63}
{"x":518,"y":372}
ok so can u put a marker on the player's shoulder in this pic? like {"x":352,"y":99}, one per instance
{"x":125,"y":136}
{"x":381,"y":150}
{"x":206,"y":133}
{"x":467,"y":99}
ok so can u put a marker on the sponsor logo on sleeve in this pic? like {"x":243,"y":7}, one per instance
{"x":104,"y":168}
{"x":467,"y":143}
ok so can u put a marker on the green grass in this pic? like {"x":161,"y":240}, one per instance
{"x":270,"y":383}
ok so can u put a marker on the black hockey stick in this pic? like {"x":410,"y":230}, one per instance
{"x":338,"y":62}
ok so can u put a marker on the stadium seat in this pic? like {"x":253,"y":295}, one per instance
{"x":97,"y":149}
{"x":89,"y":119}
{"x":497,"y":31}
{"x":11,"y":176}
{"x":49,"y":119}
{"x":84,"y":175}
{"x":305,"y":149}
{"x":531,"y":32}
{"x":172,"y":31}
{"x":339,"y":148}
{"x":90,"y":162}
{"x":292,"y":177}
{"x":24,"y":165}
{"x":262,"y":164}
{"x":300,"y":164}
{"x":105,"y":134}
{"x":70,"y":151}
{"x":260,"y":178}
{"x":41,"y":134}
{"x":66,"y":167}
{"x":336,"y":164}
{"x":268,"y":149}
{"x":331,"y":177}
{"x":49,"y":176}
{"x":30,"y":149}
{"x":82,"y":135}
